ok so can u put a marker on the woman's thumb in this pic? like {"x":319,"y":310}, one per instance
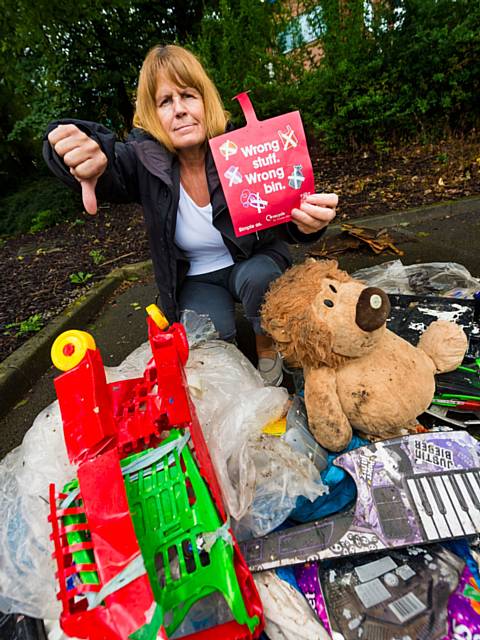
{"x":88,"y":195}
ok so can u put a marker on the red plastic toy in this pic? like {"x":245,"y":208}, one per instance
{"x":103,"y":424}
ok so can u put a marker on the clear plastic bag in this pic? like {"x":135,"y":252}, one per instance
{"x":288,"y":616}
{"x":300,"y":438}
{"x":430,"y":278}
{"x":282,"y":475}
{"x":27,"y":570}
{"x":233,"y":406}
{"x":199,"y":327}
{"x":260,"y":476}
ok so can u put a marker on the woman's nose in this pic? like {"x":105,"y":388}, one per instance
{"x":178,"y":106}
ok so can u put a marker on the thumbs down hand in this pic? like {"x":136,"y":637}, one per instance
{"x":83,"y":156}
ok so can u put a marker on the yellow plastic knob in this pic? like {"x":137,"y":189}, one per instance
{"x":70,"y":347}
{"x":157,"y":316}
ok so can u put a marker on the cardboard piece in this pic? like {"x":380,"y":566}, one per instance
{"x":264,"y":168}
{"x":410,"y":490}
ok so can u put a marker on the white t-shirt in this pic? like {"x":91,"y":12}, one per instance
{"x":196,"y":236}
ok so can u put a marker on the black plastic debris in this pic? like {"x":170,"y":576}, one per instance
{"x":15,"y":626}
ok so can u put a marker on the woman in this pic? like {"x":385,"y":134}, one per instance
{"x":166,"y":165}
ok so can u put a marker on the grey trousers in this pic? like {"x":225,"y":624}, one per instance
{"x":216,"y":293}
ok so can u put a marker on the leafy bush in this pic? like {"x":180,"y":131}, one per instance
{"x":38,"y":204}
{"x":239,"y":45}
{"x":409,"y":70}
{"x":390,"y":71}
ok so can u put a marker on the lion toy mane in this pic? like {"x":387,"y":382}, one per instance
{"x":358,"y":374}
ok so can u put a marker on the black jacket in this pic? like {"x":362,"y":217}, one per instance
{"x":144,"y":171}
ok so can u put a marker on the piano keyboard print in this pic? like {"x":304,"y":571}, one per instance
{"x":448,"y":504}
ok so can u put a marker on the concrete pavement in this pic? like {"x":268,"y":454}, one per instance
{"x":115,"y":314}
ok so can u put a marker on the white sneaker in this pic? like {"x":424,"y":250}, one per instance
{"x":271,"y":370}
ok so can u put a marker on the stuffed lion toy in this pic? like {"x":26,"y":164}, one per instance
{"x":358,"y":374}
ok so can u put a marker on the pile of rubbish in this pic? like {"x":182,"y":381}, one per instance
{"x":380,"y":540}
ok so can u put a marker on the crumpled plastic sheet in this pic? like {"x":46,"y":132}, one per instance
{"x":282,"y":475}
{"x":54,"y":631}
{"x":260,"y":476}
{"x":429,"y":278}
{"x":288,"y":616}
{"x":27,"y":581}
{"x":233,"y":406}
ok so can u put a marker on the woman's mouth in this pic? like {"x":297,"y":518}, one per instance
{"x":183,"y":127}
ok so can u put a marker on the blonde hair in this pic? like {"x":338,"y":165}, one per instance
{"x":184,"y":69}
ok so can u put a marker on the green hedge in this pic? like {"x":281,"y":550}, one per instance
{"x":403,"y":70}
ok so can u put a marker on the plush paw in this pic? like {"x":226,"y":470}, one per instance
{"x":445,"y":343}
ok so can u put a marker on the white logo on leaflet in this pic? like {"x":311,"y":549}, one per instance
{"x":296,"y":178}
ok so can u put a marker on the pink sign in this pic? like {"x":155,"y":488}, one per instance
{"x":264,"y":168}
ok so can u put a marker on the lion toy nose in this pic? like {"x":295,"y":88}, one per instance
{"x":372,"y":310}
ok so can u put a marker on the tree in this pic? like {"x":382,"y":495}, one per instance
{"x":238,"y":42}
{"x":395,"y":69}
{"x":78,"y":59}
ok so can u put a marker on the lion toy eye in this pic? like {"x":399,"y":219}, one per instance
{"x":328,"y":303}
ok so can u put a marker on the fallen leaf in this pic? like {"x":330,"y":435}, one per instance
{"x":441,"y":183}
{"x":423,"y":234}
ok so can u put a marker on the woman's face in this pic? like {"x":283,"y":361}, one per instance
{"x":182,"y":114}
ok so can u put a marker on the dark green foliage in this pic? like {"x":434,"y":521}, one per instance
{"x":392,"y":70}
{"x":410,"y":69}
{"x":75,"y":59}
{"x":38,"y":204}
{"x":82,"y":59}
{"x":238,"y":45}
